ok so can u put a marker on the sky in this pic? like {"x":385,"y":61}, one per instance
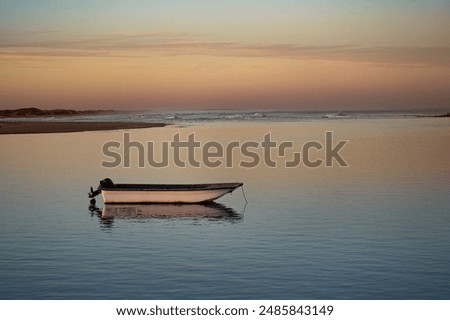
{"x":247,"y":54}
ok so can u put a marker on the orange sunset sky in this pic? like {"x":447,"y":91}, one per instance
{"x":306,"y":55}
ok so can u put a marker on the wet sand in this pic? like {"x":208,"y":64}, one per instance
{"x":55,"y":127}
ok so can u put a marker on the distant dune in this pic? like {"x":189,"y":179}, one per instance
{"x":36,"y":112}
{"x":445,"y":115}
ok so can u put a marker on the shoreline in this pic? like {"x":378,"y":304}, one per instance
{"x":66,"y":126}
{"x":32,"y":127}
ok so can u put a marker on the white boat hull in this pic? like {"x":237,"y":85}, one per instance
{"x":165,"y":196}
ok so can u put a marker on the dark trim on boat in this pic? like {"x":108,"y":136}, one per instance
{"x":172,"y":187}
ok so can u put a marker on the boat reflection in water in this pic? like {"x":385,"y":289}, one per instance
{"x":210,"y":211}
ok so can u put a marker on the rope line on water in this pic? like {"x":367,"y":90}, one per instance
{"x":243,"y":193}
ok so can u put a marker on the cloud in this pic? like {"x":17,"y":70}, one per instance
{"x":174,"y":44}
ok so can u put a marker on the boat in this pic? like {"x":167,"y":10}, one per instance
{"x":162,"y":193}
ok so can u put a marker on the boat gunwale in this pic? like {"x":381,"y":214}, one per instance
{"x":172,"y":187}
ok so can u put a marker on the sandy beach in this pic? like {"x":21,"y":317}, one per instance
{"x":56,"y":127}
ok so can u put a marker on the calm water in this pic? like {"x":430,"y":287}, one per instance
{"x":379,"y":229}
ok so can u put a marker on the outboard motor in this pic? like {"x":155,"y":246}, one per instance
{"x":105,"y":183}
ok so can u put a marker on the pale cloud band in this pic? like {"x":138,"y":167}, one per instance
{"x":129,"y":45}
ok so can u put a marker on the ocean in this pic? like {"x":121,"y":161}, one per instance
{"x":227,"y":115}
